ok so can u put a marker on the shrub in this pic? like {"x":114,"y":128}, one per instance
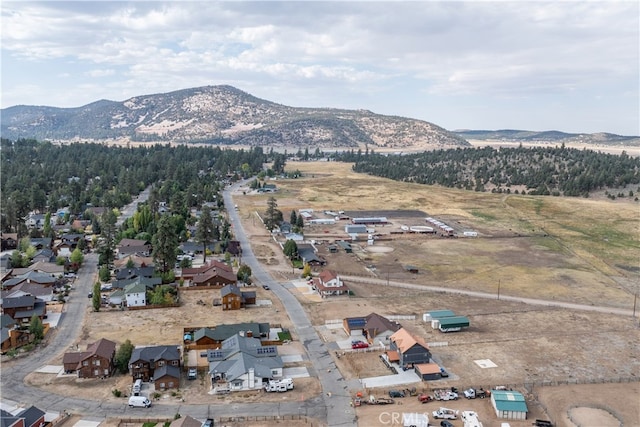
{"x":116,"y":392}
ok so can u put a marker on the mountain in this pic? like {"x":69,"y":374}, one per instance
{"x":222,"y":115}
{"x":554,"y":136}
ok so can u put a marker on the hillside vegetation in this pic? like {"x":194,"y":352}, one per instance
{"x":539,"y":170}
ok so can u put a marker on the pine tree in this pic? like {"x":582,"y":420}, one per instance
{"x":205,"y":231}
{"x":165,"y":244}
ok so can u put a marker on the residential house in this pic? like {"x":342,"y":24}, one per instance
{"x":42,"y":242}
{"x":133,"y":294}
{"x":9,"y":241}
{"x":6,"y":324}
{"x":242,"y":363}
{"x":213,"y":338}
{"x":193,"y":248}
{"x":128,"y":247}
{"x":329,"y":283}
{"x":47,"y":266}
{"x":215,"y":278}
{"x":206,"y":269}
{"x":45,"y":293}
{"x":136,"y":259}
{"x":27,"y":275}
{"x":132,"y":273}
{"x":98,"y":361}
{"x":308,"y":254}
{"x":22,"y":308}
{"x":35,"y":221}
{"x":145,"y":360}
{"x":234,"y":299}
{"x":29,"y":417}
{"x":411,"y":349}
{"x":166,"y":377}
{"x":376,"y":328}
{"x":186,"y":421}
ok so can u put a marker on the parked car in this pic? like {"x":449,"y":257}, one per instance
{"x":266,"y":287}
{"x":192,"y":374}
{"x":445,"y":423}
{"x":90,"y":295}
{"x":396,"y":393}
{"x":443,"y":372}
{"x":359,"y":344}
{"x":208,"y":422}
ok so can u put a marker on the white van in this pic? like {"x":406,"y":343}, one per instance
{"x":139,"y":402}
{"x":137,"y":386}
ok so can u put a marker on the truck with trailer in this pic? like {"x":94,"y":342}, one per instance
{"x":472,"y":393}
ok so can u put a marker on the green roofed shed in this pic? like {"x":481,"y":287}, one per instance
{"x":509,"y":404}
{"x":438,"y":314}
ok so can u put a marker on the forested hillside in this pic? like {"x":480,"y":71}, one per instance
{"x":541,"y":170}
{"x":43,"y":177}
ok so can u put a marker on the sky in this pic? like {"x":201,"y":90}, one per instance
{"x":532,"y":65}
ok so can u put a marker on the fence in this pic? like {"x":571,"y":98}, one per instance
{"x":267,"y":418}
{"x":402,"y":317}
{"x":144,"y":420}
{"x":151,"y":307}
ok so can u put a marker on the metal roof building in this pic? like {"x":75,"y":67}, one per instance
{"x":509,"y":404}
{"x":437,"y":314}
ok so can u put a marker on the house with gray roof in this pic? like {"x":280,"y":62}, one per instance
{"x":166,"y":377}
{"x":243,"y":363}
{"x":214,"y":337}
{"x":22,"y":308}
{"x":145,"y":360}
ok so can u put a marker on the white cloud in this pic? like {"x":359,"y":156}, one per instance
{"x":310,"y":51}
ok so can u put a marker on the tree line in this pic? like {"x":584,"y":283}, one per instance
{"x":541,"y":170}
{"x":43,"y":177}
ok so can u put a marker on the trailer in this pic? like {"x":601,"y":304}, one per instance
{"x":450,"y":324}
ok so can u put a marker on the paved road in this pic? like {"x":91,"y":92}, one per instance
{"x":335,"y":402}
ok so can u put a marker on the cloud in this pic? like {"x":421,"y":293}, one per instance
{"x":294,"y":52}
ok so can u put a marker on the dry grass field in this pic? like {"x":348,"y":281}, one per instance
{"x":572,"y":249}
{"x":582,"y":251}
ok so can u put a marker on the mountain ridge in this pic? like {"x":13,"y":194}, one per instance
{"x":222,"y":115}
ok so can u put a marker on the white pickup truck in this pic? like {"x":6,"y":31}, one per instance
{"x":445,"y":414}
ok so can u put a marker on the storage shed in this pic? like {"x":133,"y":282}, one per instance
{"x":450,"y":324}
{"x":437,"y":314}
{"x":355,"y":228}
{"x":509,"y":404}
